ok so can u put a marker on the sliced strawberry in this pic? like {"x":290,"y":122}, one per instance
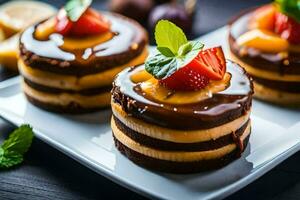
{"x":263,"y":18}
{"x":90,"y":23}
{"x":208,"y":64}
{"x":211,"y":63}
{"x":187,"y":78}
{"x":63,"y":24}
{"x":287,"y":28}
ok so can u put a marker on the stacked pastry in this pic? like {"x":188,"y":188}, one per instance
{"x":266,"y":43}
{"x":181,"y":138}
{"x":190,"y":121}
{"x":68,"y":66}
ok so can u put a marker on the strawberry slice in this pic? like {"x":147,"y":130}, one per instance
{"x":63,"y":25}
{"x":287,"y":28}
{"x":208,"y":64}
{"x":187,"y":78}
{"x":90,"y":23}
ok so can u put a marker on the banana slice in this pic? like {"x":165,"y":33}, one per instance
{"x":9,"y":52}
{"x":15,"y":16}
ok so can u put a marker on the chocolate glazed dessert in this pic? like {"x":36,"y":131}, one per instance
{"x":70,"y":69}
{"x":182,"y":131}
{"x":272,"y":59}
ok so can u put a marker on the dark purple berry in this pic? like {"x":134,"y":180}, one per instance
{"x":173,"y":12}
{"x":135,"y":9}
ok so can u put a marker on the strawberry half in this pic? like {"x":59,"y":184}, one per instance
{"x":287,"y":28}
{"x":187,"y":79}
{"x":90,"y":23}
{"x":63,"y":25}
{"x":208,"y":64}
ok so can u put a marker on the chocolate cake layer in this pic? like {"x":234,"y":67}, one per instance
{"x":72,"y":108}
{"x":129,"y":41}
{"x":220,"y":108}
{"x":286,"y":86}
{"x":84,"y":92}
{"x":178,"y":167}
{"x":172,"y":146}
{"x":266,"y":61}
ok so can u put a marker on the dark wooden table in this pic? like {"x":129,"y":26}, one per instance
{"x":49,"y":174}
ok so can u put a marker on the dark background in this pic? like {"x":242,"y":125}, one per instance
{"x":49,"y":174}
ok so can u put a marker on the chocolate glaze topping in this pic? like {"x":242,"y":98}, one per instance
{"x":220,"y":108}
{"x":267,"y":61}
{"x":128,"y":42}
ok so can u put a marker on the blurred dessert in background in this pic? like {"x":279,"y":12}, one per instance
{"x":186,"y":110}
{"x":266,"y":42}
{"x":149,"y":12}
{"x":15,"y":16}
{"x":69,"y":61}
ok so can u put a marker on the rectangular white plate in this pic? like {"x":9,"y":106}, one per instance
{"x":88,"y":140}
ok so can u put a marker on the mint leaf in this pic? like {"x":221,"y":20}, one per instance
{"x":290,"y":8}
{"x":13,"y":149}
{"x":175,"y":50}
{"x":165,"y":51}
{"x":184,"y":49}
{"x":75,"y":8}
{"x":169,"y":35}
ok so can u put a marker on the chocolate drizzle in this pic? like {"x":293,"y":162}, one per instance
{"x":219,"y":109}
{"x":128,"y":42}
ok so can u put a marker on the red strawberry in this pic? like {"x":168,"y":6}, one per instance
{"x":186,"y":78}
{"x":63,"y":24}
{"x":90,"y":23}
{"x":209,"y":64}
{"x":287,"y":28}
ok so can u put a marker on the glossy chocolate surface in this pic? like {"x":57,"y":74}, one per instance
{"x":266,"y":61}
{"x":128,"y":42}
{"x":220,"y":108}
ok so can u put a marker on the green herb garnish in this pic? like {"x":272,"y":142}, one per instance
{"x":75,"y":8}
{"x":290,"y":8}
{"x":175,"y":51}
{"x":13,"y":149}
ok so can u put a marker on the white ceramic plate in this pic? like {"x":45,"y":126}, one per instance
{"x":88,"y":140}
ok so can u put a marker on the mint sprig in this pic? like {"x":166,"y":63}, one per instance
{"x":175,"y":51}
{"x":290,"y":8}
{"x":75,"y":8}
{"x":13,"y":149}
